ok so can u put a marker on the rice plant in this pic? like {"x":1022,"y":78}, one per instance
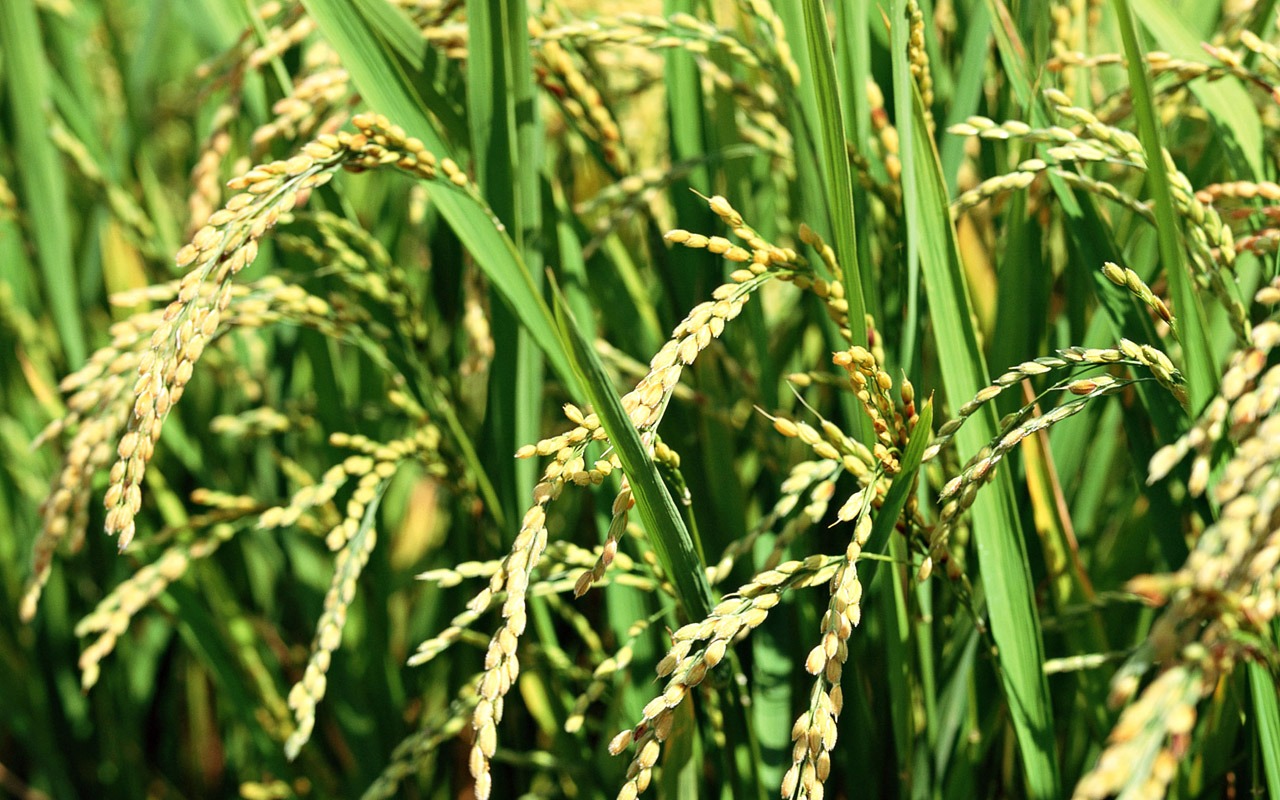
{"x":419,"y":398}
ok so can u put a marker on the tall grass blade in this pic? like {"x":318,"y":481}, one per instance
{"x":44,"y":182}
{"x":1202,"y":369}
{"x":1002,"y":555}
{"x":828,"y":128}
{"x":662,"y":521}
{"x":505,"y":134}
{"x":1266,"y":708}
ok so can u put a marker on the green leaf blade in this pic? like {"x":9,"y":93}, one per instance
{"x":1002,"y":556}
{"x":43,"y":178}
{"x":1201,"y":368}
{"x":667,"y":531}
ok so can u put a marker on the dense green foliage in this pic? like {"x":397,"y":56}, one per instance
{"x":890,"y":386}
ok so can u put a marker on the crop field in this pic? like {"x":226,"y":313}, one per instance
{"x":670,"y":398}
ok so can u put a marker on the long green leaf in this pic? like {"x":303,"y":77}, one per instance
{"x":818,"y":166}
{"x":667,"y":532}
{"x":44,"y":182}
{"x":997,"y":530}
{"x":892,"y":595}
{"x":977,"y":42}
{"x":828,"y":129}
{"x":688,"y":123}
{"x":1263,"y":687}
{"x":502,"y":113}
{"x":902,"y":83}
{"x":853,"y":69}
{"x":1202,"y":371}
